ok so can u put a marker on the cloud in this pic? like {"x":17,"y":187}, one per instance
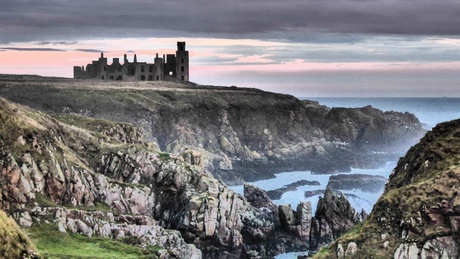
{"x":57,"y":43}
{"x":31,"y":49}
{"x":89,"y":50}
{"x":294,"y":20}
{"x":254,"y":59}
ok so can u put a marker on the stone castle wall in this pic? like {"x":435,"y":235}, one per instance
{"x":171,"y":68}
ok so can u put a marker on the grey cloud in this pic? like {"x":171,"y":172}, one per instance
{"x":213,"y":60}
{"x":293,"y":20}
{"x":90,"y":50}
{"x":374,"y":48}
{"x":57,"y":43}
{"x":31,"y":49}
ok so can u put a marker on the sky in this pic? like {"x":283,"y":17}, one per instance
{"x":307,"y":48}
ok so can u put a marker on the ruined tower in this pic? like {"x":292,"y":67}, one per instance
{"x":102,"y":68}
{"x":182,"y":64}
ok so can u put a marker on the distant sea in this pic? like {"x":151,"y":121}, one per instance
{"x":430,"y":111}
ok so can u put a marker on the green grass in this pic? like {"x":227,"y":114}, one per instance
{"x":54,"y":244}
{"x":353,"y":231}
{"x":164,"y":156}
{"x":324,"y":252}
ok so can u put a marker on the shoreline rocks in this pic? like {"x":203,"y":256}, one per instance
{"x":363,"y":182}
{"x":277,"y":193}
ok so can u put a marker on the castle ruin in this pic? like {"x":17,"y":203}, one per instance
{"x":168,"y":68}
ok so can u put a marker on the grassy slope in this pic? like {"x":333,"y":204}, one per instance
{"x":54,"y":244}
{"x":427,"y":175}
{"x":14,"y":243}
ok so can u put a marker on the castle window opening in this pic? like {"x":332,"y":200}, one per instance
{"x":182,"y":68}
{"x":142,"y":69}
{"x":182,"y":78}
{"x":182,"y":61}
{"x":111,"y":77}
{"x":158,"y":77}
{"x":150,"y":78}
{"x":105,"y":68}
{"x":142,"y":77}
{"x":131,"y":70}
{"x":151,"y":68}
{"x":103,"y":78}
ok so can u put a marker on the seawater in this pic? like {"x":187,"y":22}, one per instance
{"x":430,"y":112}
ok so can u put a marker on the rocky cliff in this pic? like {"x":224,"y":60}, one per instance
{"x":71,"y":174}
{"x":299,"y":230}
{"x":241,"y":133}
{"x":418,"y":215}
{"x":94,"y":183}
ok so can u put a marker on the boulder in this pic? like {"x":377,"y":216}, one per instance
{"x":258,"y":197}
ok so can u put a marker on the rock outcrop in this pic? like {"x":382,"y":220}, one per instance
{"x":333,"y":217}
{"x":242,"y":134}
{"x":418,"y":214}
{"x":258,"y":198}
{"x":297,"y":230}
{"x":363,"y":182}
{"x":277,"y":193}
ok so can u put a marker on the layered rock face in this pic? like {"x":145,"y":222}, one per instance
{"x":241,"y":133}
{"x":418,"y":214}
{"x":114,"y":185}
{"x":101,"y":178}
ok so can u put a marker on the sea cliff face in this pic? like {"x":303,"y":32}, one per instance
{"x":242,"y":134}
{"x":418,"y":214}
{"x":71,"y":174}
